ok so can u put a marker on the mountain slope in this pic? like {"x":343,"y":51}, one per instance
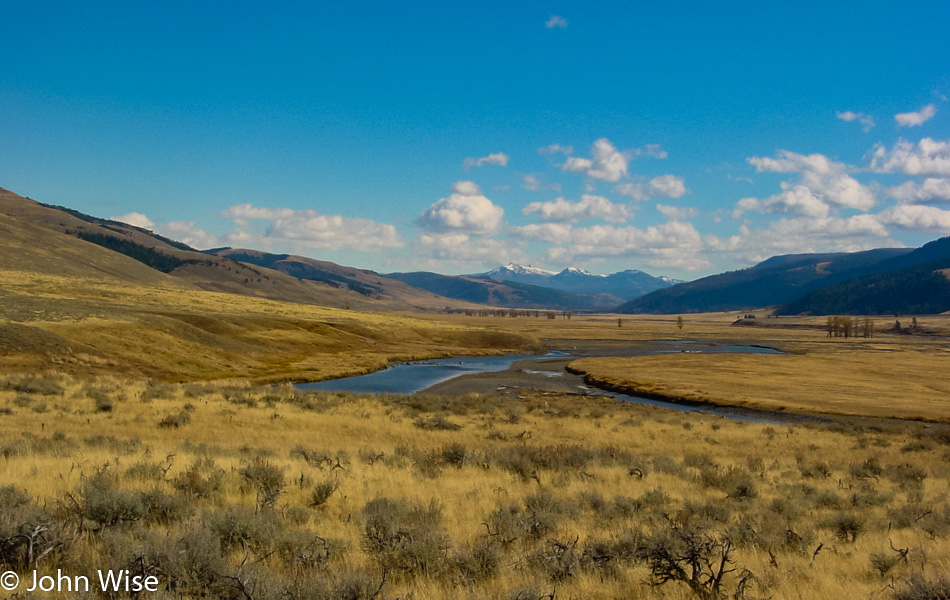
{"x":777,"y":280}
{"x":502,"y":293}
{"x":625,"y":285}
{"x":365,"y":282}
{"x":44,"y":225}
{"x":918,"y":284}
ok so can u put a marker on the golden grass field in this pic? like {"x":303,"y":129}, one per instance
{"x":134,"y":433}
{"x":889,"y":375}
{"x":482,"y":497}
{"x":83,"y":326}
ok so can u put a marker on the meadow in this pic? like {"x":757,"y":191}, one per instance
{"x":150,"y":428}
{"x":237,"y":491}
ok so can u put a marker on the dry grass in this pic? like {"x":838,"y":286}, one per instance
{"x":85,"y":326}
{"x":593,"y":482}
{"x":905,"y":375}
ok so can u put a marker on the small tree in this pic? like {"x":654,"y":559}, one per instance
{"x":679,"y":322}
{"x":619,"y":322}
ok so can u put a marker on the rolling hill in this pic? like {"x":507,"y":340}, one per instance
{"x":775,"y":281}
{"x":914,"y":283}
{"x":66,"y":237}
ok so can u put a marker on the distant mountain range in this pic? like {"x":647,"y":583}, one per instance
{"x":881,"y":281}
{"x":626,"y":285}
{"x":520,"y":286}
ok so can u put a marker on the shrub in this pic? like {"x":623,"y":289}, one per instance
{"x":175,"y":421}
{"x":846,"y":526}
{"x":237,"y":526}
{"x":436,"y":423}
{"x":322,"y":492}
{"x":32,"y":384}
{"x":105,"y":504}
{"x":918,"y":588}
{"x":202,"y":480}
{"x":404,"y":536}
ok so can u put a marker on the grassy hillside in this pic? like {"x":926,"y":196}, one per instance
{"x":86,"y":325}
{"x":915,"y":283}
{"x":45,"y":225}
{"x":775,"y":281}
{"x":361,"y":281}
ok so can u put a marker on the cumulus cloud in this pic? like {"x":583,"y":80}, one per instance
{"x":667,"y":186}
{"x":556,"y":22}
{"x":499,"y":159}
{"x":918,"y":218}
{"x":556,"y":149}
{"x":310,"y":228}
{"x":189,"y":233}
{"x":532,"y":183}
{"x":588,"y":207}
{"x":552,"y":233}
{"x":794,"y":200}
{"x":465,"y":211}
{"x":931,"y":191}
{"x":650,"y":150}
{"x":136,"y":219}
{"x":634,"y":190}
{"x":914,"y":119}
{"x":803,"y":234}
{"x":676,"y":213}
{"x":671,"y":245}
{"x":867,"y":121}
{"x":606,"y":162}
{"x":462,"y":249}
{"x":928,"y":158}
{"x":825,"y":179}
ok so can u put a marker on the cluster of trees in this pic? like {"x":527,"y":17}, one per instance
{"x":516,"y":312}
{"x":847,"y":327}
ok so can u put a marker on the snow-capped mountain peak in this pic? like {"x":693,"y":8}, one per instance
{"x":517,"y":269}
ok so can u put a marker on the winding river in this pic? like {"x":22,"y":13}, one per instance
{"x":453,"y":375}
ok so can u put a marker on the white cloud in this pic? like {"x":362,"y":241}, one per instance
{"x":556,"y":149}
{"x":919,"y":218}
{"x":461,"y":249}
{"x":914,"y":119}
{"x":136,"y":219}
{"x":826,"y":179}
{"x":793,"y":200}
{"x":650,"y":150}
{"x":931,"y":191}
{"x":532,"y":183}
{"x":588,"y":207}
{"x":312,"y":229}
{"x":556,"y":21}
{"x":466,"y":211}
{"x":667,"y":186}
{"x":676,"y":213}
{"x":499,"y":159}
{"x":671,"y":245}
{"x":928,"y":157}
{"x":634,"y":190}
{"x":803,"y":234}
{"x":552,"y":233}
{"x":867,"y":121}
{"x":189,"y":233}
{"x":606,"y":162}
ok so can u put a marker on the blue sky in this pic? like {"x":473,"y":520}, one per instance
{"x":679,"y":138}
